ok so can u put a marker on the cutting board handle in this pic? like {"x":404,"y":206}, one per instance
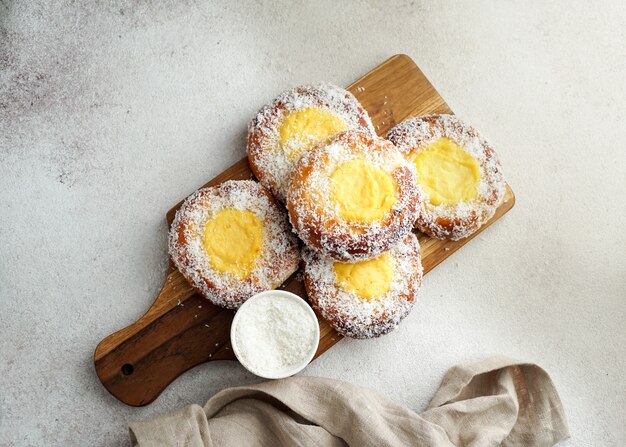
{"x":178,"y":332}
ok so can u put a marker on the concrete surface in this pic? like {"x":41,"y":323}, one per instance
{"x":112,"y":111}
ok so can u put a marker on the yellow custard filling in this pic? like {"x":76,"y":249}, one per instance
{"x":233,"y":240}
{"x":363,"y":192}
{"x":447,"y":173}
{"x":368,"y":279}
{"x":304,"y":128}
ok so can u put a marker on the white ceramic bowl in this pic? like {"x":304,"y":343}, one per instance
{"x":282,"y":294}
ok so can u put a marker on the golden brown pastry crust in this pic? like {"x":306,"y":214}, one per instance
{"x":315,"y":218}
{"x":356,"y":317}
{"x":269,"y":164}
{"x":462,"y":219}
{"x":280,"y":254}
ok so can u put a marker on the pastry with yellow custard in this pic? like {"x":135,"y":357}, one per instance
{"x":368,"y":298}
{"x":457,"y":170}
{"x":232,"y":241}
{"x":352,"y":196}
{"x":295,"y":121}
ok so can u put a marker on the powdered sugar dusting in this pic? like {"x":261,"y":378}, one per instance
{"x":271,"y":165}
{"x":357,"y":317}
{"x":316,"y":218}
{"x":279,"y":257}
{"x":459,"y":220}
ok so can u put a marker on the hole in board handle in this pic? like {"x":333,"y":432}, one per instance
{"x":127,"y":369}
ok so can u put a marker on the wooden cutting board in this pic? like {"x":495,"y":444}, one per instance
{"x":182,"y":330}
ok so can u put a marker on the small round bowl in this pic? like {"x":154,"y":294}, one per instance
{"x":282,"y":294}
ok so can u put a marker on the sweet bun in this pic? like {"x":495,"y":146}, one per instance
{"x":353,"y":196}
{"x":232,"y":241}
{"x":457,"y":170}
{"x":369,"y":298}
{"x":292,"y":123}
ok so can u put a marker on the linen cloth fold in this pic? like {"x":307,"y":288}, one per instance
{"x":497,"y":401}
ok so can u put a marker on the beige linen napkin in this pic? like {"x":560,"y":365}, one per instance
{"x":497,"y":401}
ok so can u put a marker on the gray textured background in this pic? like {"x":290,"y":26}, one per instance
{"x":110,"y":112}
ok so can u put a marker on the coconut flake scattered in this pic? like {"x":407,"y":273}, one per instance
{"x":279,"y":257}
{"x":316,"y":217}
{"x":357,"y":317}
{"x":272,"y":166}
{"x":459,"y":220}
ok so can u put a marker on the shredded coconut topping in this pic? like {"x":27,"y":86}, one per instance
{"x":454,"y":221}
{"x":316,"y":218}
{"x":275,"y":334}
{"x":354,"y":316}
{"x":268,"y":162}
{"x":280,"y":253}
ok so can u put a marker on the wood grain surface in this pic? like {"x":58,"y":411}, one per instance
{"x":182,"y":330}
